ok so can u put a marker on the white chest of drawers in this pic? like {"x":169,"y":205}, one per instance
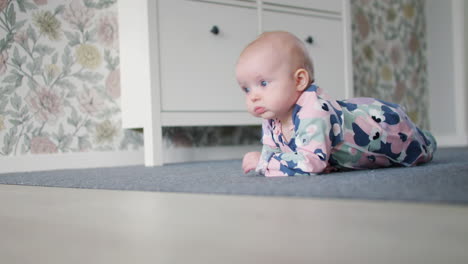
{"x":178,"y":58}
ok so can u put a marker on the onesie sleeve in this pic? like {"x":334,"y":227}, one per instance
{"x":317,"y":130}
{"x":269,"y":149}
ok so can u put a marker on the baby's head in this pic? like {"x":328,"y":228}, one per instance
{"x":273,"y":71}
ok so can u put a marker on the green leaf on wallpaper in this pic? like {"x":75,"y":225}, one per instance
{"x":21,"y":5}
{"x":32,"y":33}
{"x":43,"y":49}
{"x":19,"y":24}
{"x":27,"y":140}
{"x":3,"y":105}
{"x":74,"y":120}
{"x":64,"y":83}
{"x":7,"y":90}
{"x":112,"y":63}
{"x":15,"y":122}
{"x":30,"y":67}
{"x":73,"y":38}
{"x":11,"y":15}
{"x":24,"y":5}
{"x":108,"y":112}
{"x":61,"y":133}
{"x":30,"y":127}
{"x":54,"y":58}
{"x":13,"y":114}
{"x":65,"y":143}
{"x":3,"y":45}
{"x":15,"y":102}
{"x":8,"y":142}
{"x":59,"y":9}
{"x":84,"y":143}
{"x":100,"y":4}
{"x":92,"y":77}
{"x":24,"y":111}
{"x":66,"y":59}
{"x":16,"y":58}
{"x":12,"y":78}
{"x":89,"y":124}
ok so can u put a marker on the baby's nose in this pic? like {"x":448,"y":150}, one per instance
{"x":254,"y":96}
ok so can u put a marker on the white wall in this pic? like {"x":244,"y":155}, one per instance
{"x":466,"y":62}
{"x":440,"y":64}
{"x":446,"y":71}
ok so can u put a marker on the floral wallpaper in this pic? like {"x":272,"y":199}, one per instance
{"x":389,"y":45}
{"x":60,"y":78}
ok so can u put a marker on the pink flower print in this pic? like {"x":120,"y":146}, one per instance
{"x":362,"y":24}
{"x":47,"y":105}
{"x":400,"y":91}
{"x":90,"y":102}
{"x":3,"y":4}
{"x":415,"y":79}
{"x":42,"y":145}
{"x":21,"y":37}
{"x":413,"y":43}
{"x":40,"y":2}
{"x":78,"y":15}
{"x":113,"y":84}
{"x":3,"y":61}
{"x":396,"y":55}
{"x":108,"y":32}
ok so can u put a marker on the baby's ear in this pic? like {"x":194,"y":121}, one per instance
{"x":302,"y":78}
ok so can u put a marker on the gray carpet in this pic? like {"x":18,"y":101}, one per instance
{"x":444,"y":180}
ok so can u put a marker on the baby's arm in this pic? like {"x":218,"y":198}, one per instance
{"x":311,"y":150}
{"x":250,"y":161}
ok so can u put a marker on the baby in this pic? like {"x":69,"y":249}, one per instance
{"x":306,"y":133}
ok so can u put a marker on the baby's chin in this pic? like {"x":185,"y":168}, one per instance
{"x":265,"y":115}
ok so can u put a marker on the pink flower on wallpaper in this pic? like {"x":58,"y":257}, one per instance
{"x":108,"y":31}
{"x":362,"y":24}
{"x":113,"y":84}
{"x":47,"y":105}
{"x":3,"y":4}
{"x":78,"y":15}
{"x":413,"y":43}
{"x":396,"y":54}
{"x":21,"y":37}
{"x":40,"y":2}
{"x":400,"y":91}
{"x":90,"y":102}
{"x":42,"y":145}
{"x":3,"y":61}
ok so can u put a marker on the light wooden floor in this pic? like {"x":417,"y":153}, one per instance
{"x":55,"y":225}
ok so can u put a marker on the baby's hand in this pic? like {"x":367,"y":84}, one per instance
{"x":250,"y":161}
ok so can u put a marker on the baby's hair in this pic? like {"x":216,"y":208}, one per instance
{"x":297,"y":47}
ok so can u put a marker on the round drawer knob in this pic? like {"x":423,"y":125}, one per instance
{"x":215,"y":30}
{"x":310,"y":39}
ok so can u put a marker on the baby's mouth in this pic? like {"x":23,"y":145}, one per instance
{"x":259,"y":110}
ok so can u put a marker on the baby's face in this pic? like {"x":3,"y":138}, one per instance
{"x":267,"y":79}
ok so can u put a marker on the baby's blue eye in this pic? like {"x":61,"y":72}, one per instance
{"x":246,"y":89}
{"x":263,"y":83}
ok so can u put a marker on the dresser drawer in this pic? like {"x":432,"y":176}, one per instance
{"x":197,"y":64}
{"x":327,"y":49}
{"x":324,"y":6}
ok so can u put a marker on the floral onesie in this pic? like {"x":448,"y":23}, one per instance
{"x":359,"y":133}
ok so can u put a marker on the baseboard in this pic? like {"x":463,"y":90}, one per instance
{"x":41,"y":162}
{"x":455,"y":140}
{"x":171,"y":155}
{"x":174,"y":155}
